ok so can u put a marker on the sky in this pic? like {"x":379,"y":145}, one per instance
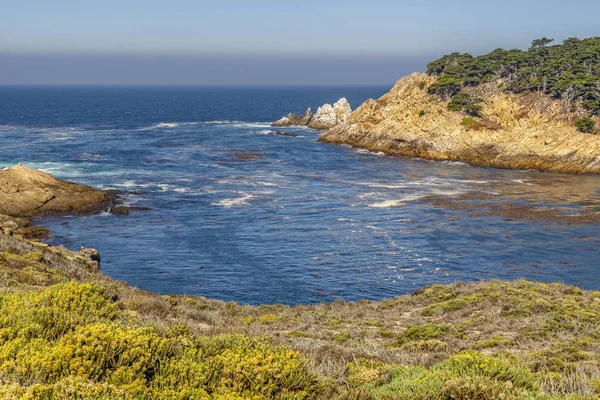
{"x":264,"y":42}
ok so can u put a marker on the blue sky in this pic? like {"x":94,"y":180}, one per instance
{"x":264,"y":42}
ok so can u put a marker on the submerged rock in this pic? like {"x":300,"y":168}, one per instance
{"x":124,"y":210}
{"x":281,"y":133}
{"x":326,"y":117}
{"x":25,"y":192}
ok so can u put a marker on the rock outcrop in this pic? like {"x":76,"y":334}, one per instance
{"x":326,"y":117}
{"x":26,"y":192}
{"x":329,"y":116}
{"x":294,"y":119}
{"x":524,"y":131}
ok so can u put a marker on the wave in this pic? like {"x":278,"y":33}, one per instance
{"x":239,"y":201}
{"x":365,"y":151}
{"x":397,"y":202}
{"x":236,"y":124}
{"x":415,"y":197}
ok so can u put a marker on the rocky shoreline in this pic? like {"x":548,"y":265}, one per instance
{"x":526,"y":131}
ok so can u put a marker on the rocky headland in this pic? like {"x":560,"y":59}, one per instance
{"x":515,"y":131}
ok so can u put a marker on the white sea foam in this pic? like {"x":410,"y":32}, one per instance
{"x":365,"y":151}
{"x":239,"y":201}
{"x":164,"y":187}
{"x":167,"y":125}
{"x":133,"y":184}
{"x":251,"y":125}
{"x":222,"y":122}
{"x":522,"y":182}
{"x":413,"y":197}
{"x":394,"y":203}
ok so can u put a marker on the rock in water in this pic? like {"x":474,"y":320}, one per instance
{"x":326,"y":117}
{"x":306,"y":117}
{"x":294,"y":119}
{"x":26,"y":192}
{"x":124,"y":210}
{"x":342,"y":110}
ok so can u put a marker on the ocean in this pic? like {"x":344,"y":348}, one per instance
{"x":241,"y":214}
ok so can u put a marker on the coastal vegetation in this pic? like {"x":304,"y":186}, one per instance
{"x":67,"y":331}
{"x":569,"y":72}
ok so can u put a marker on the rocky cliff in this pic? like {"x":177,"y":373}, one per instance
{"x":525,"y":131}
{"x":26,"y":192}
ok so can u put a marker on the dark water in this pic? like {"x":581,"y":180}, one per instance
{"x":240,"y":214}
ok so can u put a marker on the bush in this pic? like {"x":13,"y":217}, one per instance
{"x":585,"y":124}
{"x":468,"y":375}
{"x":68,"y":342}
{"x":465,"y":102}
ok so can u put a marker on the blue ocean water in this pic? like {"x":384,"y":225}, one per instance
{"x":237,"y":213}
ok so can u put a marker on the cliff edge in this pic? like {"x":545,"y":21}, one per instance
{"x":515,"y":131}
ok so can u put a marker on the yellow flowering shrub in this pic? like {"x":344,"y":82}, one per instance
{"x":70,"y":342}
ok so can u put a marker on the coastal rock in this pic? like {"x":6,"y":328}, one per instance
{"x":294,"y":119}
{"x":513,"y":131}
{"x":306,"y":117}
{"x":124,"y":210}
{"x":326,"y":117}
{"x":25,"y":192}
{"x":329,"y":116}
{"x":288,"y":134}
{"x":12,"y":226}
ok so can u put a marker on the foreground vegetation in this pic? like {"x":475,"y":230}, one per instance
{"x":67,"y":331}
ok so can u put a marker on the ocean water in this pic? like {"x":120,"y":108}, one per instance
{"x":238,"y":213}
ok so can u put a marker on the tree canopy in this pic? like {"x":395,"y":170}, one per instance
{"x":568,"y":69}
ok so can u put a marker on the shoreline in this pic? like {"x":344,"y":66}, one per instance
{"x":339,"y":349}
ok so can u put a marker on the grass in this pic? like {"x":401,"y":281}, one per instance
{"x":67,"y":331}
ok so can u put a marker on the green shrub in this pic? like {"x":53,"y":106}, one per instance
{"x":467,"y":375}
{"x":452,"y":305}
{"x":585,"y":125}
{"x":69,"y":342}
{"x":465,"y":102}
{"x":467,"y":121}
{"x":422,"y":332}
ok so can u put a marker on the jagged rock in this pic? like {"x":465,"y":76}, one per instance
{"x":25,"y":192}
{"x":326,"y":117}
{"x":284,"y":121}
{"x":294,"y":119}
{"x":342,"y":110}
{"x":307,"y":117}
